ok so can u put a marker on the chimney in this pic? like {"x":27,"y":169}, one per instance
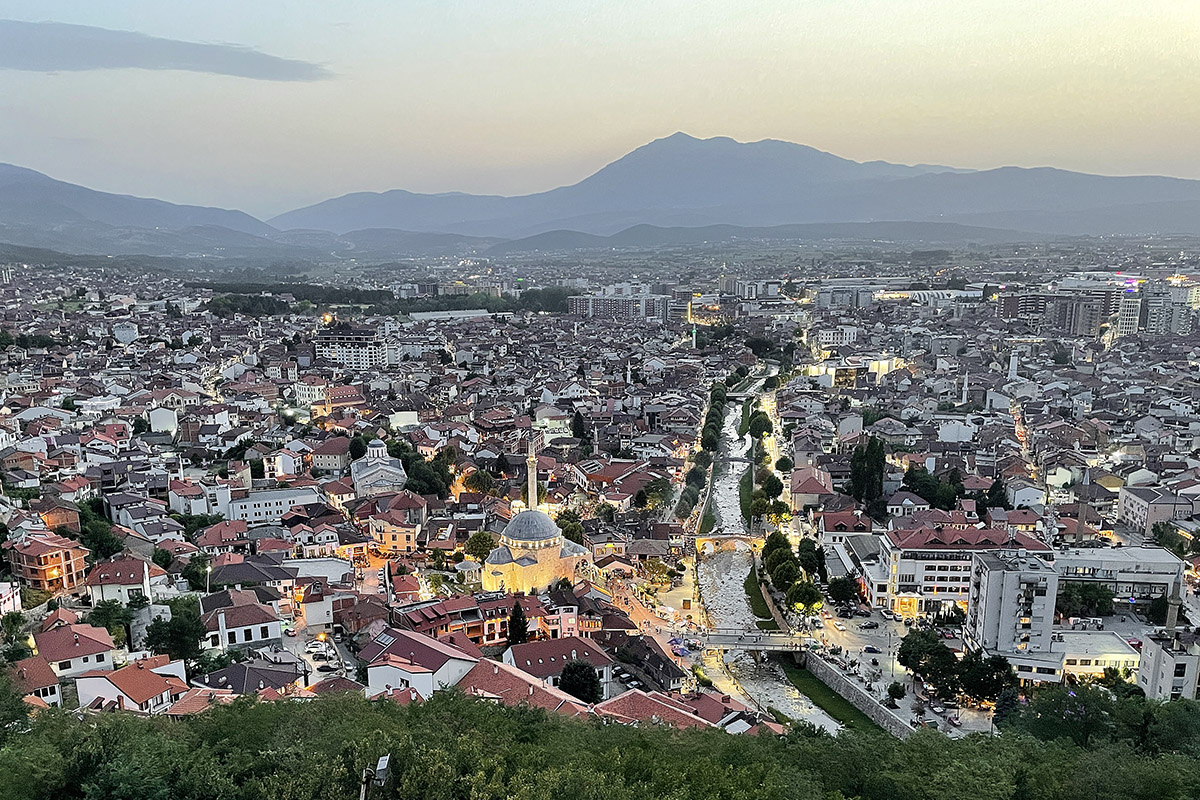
{"x":77,"y":640}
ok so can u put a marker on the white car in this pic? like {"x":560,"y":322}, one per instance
{"x":840,"y":626}
{"x":315,"y":646}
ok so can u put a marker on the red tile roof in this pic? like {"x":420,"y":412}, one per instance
{"x":30,"y":674}
{"x":71,"y":641}
{"x":547,"y":657}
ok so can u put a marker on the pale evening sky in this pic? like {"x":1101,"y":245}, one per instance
{"x":266,"y":106}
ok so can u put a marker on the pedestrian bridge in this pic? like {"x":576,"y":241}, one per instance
{"x":713,"y":541}
{"x":741,"y":639}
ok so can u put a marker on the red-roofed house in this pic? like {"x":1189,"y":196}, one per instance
{"x":545,"y":659}
{"x":33,"y":677}
{"x":122,"y":579}
{"x":399,"y":659}
{"x":72,"y":650}
{"x":510,"y":686}
{"x":148,"y":685}
{"x":47,"y":561}
{"x":636,"y":706}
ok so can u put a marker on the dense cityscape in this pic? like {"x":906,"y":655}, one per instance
{"x":599,"y":401}
{"x":947,"y":489}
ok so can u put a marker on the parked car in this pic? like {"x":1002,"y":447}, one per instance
{"x":870,"y":625}
{"x":871,"y":649}
{"x":864,"y":612}
{"x":908,"y":621}
{"x":327,"y":668}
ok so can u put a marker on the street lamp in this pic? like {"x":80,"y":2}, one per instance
{"x":208,"y":579}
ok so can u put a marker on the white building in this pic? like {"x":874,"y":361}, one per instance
{"x":147,"y":685}
{"x":1011,"y":603}
{"x":270,"y":505}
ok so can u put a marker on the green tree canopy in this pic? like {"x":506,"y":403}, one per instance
{"x":580,"y":679}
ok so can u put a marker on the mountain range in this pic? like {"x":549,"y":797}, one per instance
{"x":678,"y":190}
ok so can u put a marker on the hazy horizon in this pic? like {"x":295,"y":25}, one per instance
{"x":265,"y":109}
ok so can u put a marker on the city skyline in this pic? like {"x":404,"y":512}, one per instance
{"x":510,"y":99}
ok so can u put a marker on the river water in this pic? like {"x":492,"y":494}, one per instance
{"x":722,"y":578}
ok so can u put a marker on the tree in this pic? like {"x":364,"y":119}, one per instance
{"x":784,"y":464}
{"x":896,"y":692}
{"x":867,"y":465}
{"x":579,"y":427}
{"x":997,"y":495}
{"x":811,"y":558}
{"x":1008,"y":702}
{"x":805,"y":597}
{"x":760,"y":425}
{"x":1083,"y":714}
{"x":985,"y":678}
{"x":480,"y":545}
{"x":785,"y":575}
{"x":195,"y":572}
{"x":162,"y":558}
{"x":178,"y":637}
{"x":580,"y":679}
{"x":14,"y":712}
{"x":480,"y":481}
{"x":916,"y":647}
{"x":777,"y":540}
{"x":112,"y":616}
{"x":518,"y":626}
{"x":606,"y":512}
{"x":843,"y":591}
{"x":772,"y":487}
{"x":358,"y":448}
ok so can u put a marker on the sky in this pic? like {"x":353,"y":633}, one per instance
{"x":267,"y":106}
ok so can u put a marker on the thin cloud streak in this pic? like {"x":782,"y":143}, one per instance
{"x":60,"y":47}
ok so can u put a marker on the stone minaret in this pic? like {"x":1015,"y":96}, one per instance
{"x":532,"y":481}
{"x":1173,"y":604}
{"x":1012,"y":365}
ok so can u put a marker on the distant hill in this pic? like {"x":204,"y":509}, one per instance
{"x":673,"y":191}
{"x":654,"y":236}
{"x":33,"y":199}
{"x":684,"y":182}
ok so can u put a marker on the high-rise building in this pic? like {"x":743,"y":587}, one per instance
{"x":356,"y":348}
{"x":1129,"y":315}
{"x":647,"y":306}
{"x":1011,"y":604}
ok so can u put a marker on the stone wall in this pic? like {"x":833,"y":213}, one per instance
{"x":884,"y":717}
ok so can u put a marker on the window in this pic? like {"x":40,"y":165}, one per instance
{"x":233,"y":637}
{"x":263,"y":632}
{"x":1180,"y":669}
{"x":64,"y":665}
{"x":99,"y":658}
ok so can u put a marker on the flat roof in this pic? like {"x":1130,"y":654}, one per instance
{"x":1092,"y":643}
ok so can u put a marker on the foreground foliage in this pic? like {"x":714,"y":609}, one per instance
{"x":454,"y":747}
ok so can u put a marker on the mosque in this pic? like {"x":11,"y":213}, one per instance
{"x":533,"y":553}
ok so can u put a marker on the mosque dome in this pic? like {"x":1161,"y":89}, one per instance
{"x":531,"y":527}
